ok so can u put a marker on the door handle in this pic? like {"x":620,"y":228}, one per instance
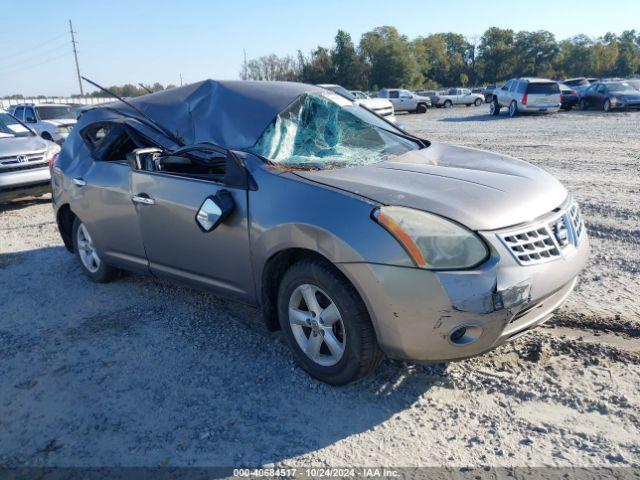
{"x":79,"y":182}
{"x":144,"y":199}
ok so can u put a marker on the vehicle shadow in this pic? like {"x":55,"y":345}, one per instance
{"x":485,"y":117}
{"x":24,"y":202}
{"x":144,"y":372}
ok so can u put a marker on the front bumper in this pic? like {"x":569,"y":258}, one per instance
{"x":33,"y":181}
{"x":415,"y":311}
{"x":622,"y":105}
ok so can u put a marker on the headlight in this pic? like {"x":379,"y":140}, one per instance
{"x":52,"y":150}
{"x":431,"y":241}
{"x":62,"y":130}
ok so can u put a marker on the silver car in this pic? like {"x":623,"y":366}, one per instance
{"x":24,"y":160}
{"x":526,"y":95}
{"x":353,"y":237}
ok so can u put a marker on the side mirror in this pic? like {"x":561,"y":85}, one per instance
{"x":30,"y":119}
{"x":214,"y":210}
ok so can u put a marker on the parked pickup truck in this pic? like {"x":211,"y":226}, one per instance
{"x":459,"y":96}
{"x":405,"y":101}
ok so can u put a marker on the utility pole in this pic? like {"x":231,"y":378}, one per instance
{"x":180,"y":79}
{"x":244,"y":65}
{"x":75,"y":54}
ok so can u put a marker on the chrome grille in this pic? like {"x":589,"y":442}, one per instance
{"x":21,"y":160}
{"x":548,"y":240}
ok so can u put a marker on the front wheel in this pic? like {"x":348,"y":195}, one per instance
{"x":90,"y":260}
{"x":607,"y":105}
{"x":477,"y":102}
{"x":494,"y":107}
{"x":326,"y":324}
{"x":448,"y":104}
{"x":421,"y":108}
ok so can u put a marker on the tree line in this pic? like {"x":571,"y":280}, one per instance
{"x":127,"y":90}
{"x":385,"y":58}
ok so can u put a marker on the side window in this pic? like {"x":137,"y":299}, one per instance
{"x":507,"y":85}
{"x":29,"y":115}
{"x":110,"y":142}
{"x":94,"y":135}
{"x":602,"y":89}
{"x":393,"y":94}
{"x":19,"y":113}
{"x":513,"y":85}
{"x":522,"y":86}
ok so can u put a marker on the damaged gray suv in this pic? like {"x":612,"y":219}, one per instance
{"x":353,"y":237}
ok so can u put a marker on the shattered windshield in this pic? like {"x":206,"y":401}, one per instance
{"x":327,"y":131}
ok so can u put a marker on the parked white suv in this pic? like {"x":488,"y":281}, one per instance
{"x":526,"y":95}
{"x":459,"y":96}
{"x":382,"y":107}
{"x":405,"y":101}
{"x":51,"y":121}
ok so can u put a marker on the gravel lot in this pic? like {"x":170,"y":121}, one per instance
{"x":144,"y":373}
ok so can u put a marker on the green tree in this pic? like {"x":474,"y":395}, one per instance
{"x":628,"y":61}
{"x":536,"y":53}
{"x":318,"y":67}
{"x":576,"y":57}
{"x":348,"y":68}
{"x":497,"y":54}
{"x":390,"y":58}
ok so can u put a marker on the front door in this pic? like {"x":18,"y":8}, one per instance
{"x":177,"y":247}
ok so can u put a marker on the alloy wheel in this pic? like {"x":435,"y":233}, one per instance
{"x":88,"y":254}
{"x":316,"y":324}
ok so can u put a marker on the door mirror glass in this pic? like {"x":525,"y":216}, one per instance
{"x":214,"y":210}
{"x":30,"y":119}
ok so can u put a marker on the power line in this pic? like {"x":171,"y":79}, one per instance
{"x":29,"y":50}
{"x":36,"y":56}
{"x":28,"y":67}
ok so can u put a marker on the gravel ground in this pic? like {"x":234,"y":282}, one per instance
{"x":143,"y":373}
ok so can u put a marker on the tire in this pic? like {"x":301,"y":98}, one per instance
{"x":513,"y":109}
{"x":92,"y":265}
{"x":606,"y":106}
{"x":421,"y":108}
{"x":582,"y":104}
{"x":488,"y":98}
{"x":356,"y":353}
{"x":477,"y":102}
{"x":494,"y":108}
{"x":448,"y":104}
{"x":47,"y":136}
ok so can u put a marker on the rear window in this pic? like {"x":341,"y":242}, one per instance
{"x":543,"y":88}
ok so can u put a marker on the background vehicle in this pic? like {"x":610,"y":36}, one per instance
{"x":359,"y":94}
{"x":51,"y":121}
{"x":568,"y":97}
{"x":526,"y":95}
{"x":488,"y":92}
{"x":24,"y":160}
{"x":578,"y":84}
{"x":459,"y":96}
{"x":430,"y":94}
{"x":382,"y":107}
{"x":610,"y":96}
{"x":405,"y":101}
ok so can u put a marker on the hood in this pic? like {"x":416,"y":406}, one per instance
{"x":61,"y":122}
{"x":627,"y":95}
{"x":375,"y":103}
{"x":11,"y":146}
{"x":481,"y":190}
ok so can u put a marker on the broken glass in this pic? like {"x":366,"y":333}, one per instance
{"x":328,"y":131}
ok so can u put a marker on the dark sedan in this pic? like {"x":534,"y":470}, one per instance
{"x":608,"y":96}
{"x":568,"y":97}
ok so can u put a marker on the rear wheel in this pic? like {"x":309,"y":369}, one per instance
{"x":90,"y":260}
{"x":494,"y":107}
{"x":326,"y":324}
{"x":607,"y":105}
{"x":477,"y":102}
{"x":513,"y":108}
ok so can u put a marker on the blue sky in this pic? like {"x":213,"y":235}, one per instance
{"x":147,"y":41}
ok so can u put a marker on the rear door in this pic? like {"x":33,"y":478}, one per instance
{"x":177,"y":247}
{"x":101,"y":195}
{"x":600,"y":95}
